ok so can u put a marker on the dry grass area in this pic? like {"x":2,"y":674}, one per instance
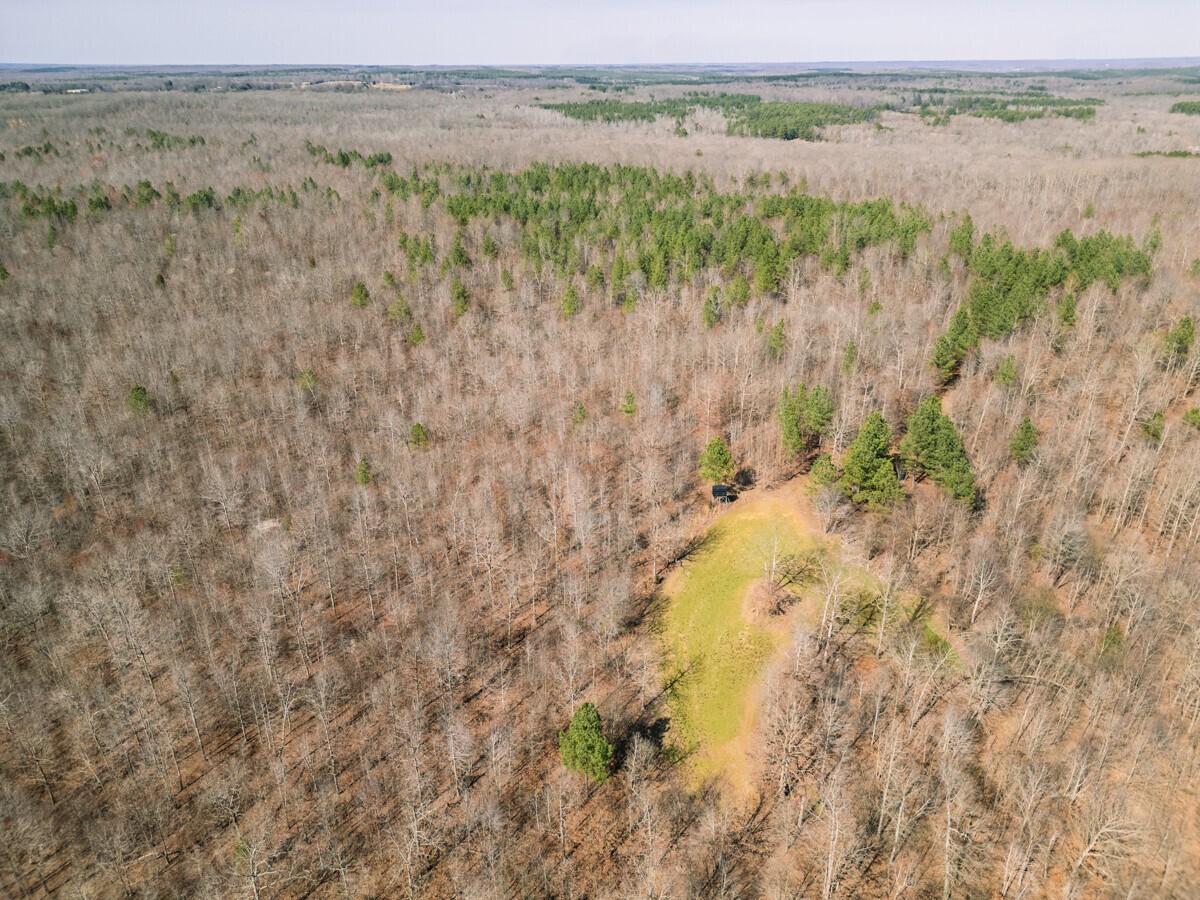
{"x":237,"y":662}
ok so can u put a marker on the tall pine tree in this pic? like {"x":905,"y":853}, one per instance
{"x":804,"y":416}
{"x":868,"y":474}
{"x":716,"y":462}
{"x":934,"y":447}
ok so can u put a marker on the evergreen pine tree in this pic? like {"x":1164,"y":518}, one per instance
{"x":868,"y":474}
{"x":418,"y":436}
{"x":362,"y":472}
{"x":951,"y":348}
{"x":583,"y":745}
{"x":595,"y":277}
{"x":459,"y":298}
{"x":570,"y":302}
{"x":711,"y":313}
{"x":1024,"y":441}
{"x":962,"y":238}
{"x":620,"y":271}
{"x":934,"y":446}
{"x":804,"y":416}
{"x":360,"y":296}
{"x":716,"y":462}
{"x":849,"y":357}
{"x":739,"y":291}
{"x":458,"y":252}
{"x":822,"y":474}
{"x":1006,"y":374}
{"x":1065,"y":312}
{"x":1180,"y":338}
{"x":777,"y":339}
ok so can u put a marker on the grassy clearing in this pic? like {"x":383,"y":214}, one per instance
{"x":714,"y":655}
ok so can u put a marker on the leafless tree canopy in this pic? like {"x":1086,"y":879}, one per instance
{"x":236,"y":663}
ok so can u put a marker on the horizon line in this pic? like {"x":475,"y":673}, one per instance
{"x":926,"y":62}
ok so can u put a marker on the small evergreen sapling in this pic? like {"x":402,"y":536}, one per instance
{"x":1007,"y":373}
{"x":362,"y":471}
{"x":459,"y":298}
{"x":138,"y":400}
{"x":777,"y":339}
{"x":583,"y":746}
{"x":849,"y":357}
{"x":1153,"y":427}
{"x":1024,"y":441}
{"x":360,"y":296}
{"x":418,"y":436}
{"x":823,"y":474}
{"x":716,"y":462}
{"x":710,"y":315}
{"x":570,"y":302}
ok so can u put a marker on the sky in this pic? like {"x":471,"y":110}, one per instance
{"x":499,"y":32}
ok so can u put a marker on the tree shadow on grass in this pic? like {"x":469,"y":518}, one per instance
{"x":695,"y":547}
{"x":652,"y":608}
{"x":653,"y":731}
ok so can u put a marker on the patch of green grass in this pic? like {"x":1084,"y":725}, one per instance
{"x":938,"y":648}
{"x":714,"y":654}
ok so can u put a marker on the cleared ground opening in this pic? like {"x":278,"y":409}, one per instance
{"x":716,"y":645}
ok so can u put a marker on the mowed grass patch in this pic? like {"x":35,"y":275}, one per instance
{"x":714,"y":655}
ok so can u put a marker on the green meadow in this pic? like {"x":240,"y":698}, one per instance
{"x":714,"y":653}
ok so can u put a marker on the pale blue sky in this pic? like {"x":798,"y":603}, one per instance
{"x":496,"y":32}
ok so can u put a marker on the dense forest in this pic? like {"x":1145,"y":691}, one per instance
{"x":747,"y":114}
{"x":352,"y":442}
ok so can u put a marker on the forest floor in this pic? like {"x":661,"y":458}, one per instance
{"x":717,"y":638}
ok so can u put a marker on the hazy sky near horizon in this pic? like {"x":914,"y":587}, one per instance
{"x":497,"y":32}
